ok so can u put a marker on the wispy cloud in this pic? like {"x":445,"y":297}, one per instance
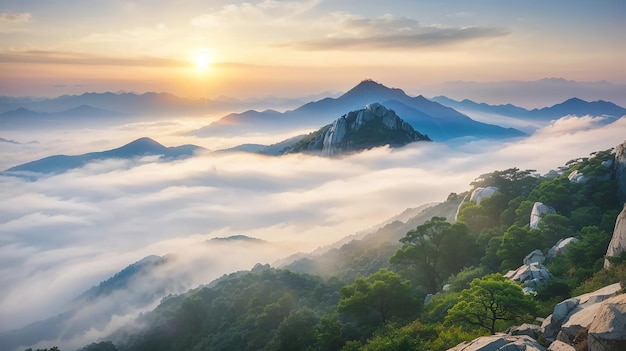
{"x":356,"y":33}
{"x":80,"y":58}
{"x":267,"y":11}
{"x":15,"y":17}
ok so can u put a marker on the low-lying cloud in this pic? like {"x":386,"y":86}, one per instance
{"x":61,"y":234}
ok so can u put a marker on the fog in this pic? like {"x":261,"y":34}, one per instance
{"x":61,"y":234}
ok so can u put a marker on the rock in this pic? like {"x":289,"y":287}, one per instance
{"x":446,"y":287}
{"x":363,"y":129}
{"x":561,"y":246}
{"x":618,"y":241}
{"x":577,"y":177}
{"x":532,"y":275}
{"x":607,"y":331}
{"x":539,"y":209}
{"x":565,"y":314}
{"x":531,"y":330}
{"x":620,"y":171}
{"x":534,"y":257}
{"x":500,"y":343}
{"x":428,"y":298}
{"x":560,"y":346}
{"x":482,"y":193}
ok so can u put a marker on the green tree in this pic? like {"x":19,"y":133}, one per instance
{"x":517,"y":242}
{"x":382,"y":295}
{"x":492,"y":302}
{"x":437,"y":249}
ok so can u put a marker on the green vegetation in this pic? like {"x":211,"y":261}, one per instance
{"x":367,"y":294}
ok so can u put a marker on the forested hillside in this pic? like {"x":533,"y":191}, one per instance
{"x":369,"y":293}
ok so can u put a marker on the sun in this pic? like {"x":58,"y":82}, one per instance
{"x":202,"y":59}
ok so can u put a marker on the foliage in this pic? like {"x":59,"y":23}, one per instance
{"x":604,"y":277}
{"x":376,"y":299}
{"x":492,"y":303}
{"x":437,"y":249}
{"x":101,"y":346}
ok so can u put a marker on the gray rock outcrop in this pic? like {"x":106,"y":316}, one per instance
{"x":607,"y":331}
{"x":569,"y":316}
{"x":618,"y":240}
{"x":539,"y":210}
{"x":561,"y":246}
{"x":534,"y":257}
{"x":560,"y":346}
{"x":372,"y":126}
{"x":620,"y":170}
{"x":531,"y":330}
{"x":481,"y":193}
{"x":530,"y":275}
{"x":500,"y":343}
{"x":577,"y":177}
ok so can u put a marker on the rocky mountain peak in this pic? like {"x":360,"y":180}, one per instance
{"x":372,"y":126}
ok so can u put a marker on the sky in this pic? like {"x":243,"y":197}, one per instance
{"x":199,"y":48}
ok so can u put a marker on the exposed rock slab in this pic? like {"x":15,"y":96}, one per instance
{"x":561,"y":246}
{"x":500,"y":343}
{"x":560,"y":346}
{"x":532,"y":275}
{"x":608,"y":330}
{"x":539,"y":210}
{"x":481,"y":193}
{"x":620,"y":170}
{"x":534,"y":257}
{"x":531,"y":330}
{"x":618,"y":240}
{"x":564,"y":315}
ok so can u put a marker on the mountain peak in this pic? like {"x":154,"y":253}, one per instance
{"x":372,"y":126}
{"x":369,"y":87}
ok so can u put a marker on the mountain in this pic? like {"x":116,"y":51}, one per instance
{"x":578,"y":107}
{"x":542,"y":92}
{"x":93,"y":308}
{"x":363,"y":129}
{"x":84,"y":114}
{"x":471,"y":106}
{"x":438,"y":121}
{"x":573,"y":107}
{"x":140,"y":147}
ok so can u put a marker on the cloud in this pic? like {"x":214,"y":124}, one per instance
{"x":356,"y":33}
{"x":64,"y":233}
{"x":265,"y":12}
{"x":15,"y":17}
{"x":80,"y":58}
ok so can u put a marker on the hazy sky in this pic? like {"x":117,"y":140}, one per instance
{"x":297,"y":47}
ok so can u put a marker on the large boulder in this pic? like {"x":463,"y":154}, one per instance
{"x":530,"y":275}
{"x":618,"y":241}
{"x":531,"y":330}
{"x":607,"y":331}
{"x":539,"y":210}
{"x":620,"y":170}
{"x":500,"y":343}
{"x":564,"y":322}
{"x":561,"y":246}
{"x":481,"y":193}
{"x":577,"y":177}
{"x":534,"y":257}
{"x":560,"y":346}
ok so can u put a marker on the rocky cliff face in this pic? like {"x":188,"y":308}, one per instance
{"x":618,"y":241}
{"x":539,"y":210}
{"x":372,"y":126}
{"x":620,"y":170}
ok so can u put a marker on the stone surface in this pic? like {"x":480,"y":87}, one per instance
{"x":531,"y":330}
{"x":577,"y":177}
{"x":539,"y":209}
{"x":482,"y":193}
{"x":620,"y":170}
{"x":534,"y":257}
{"x":607,"y":331}
{"x":532,"y":275}
{"x":560,"y":346}
{"x":618,"y":240}
{"x":500,"y":343}
{"x":561,"y":246}
{"x":570,"y":314}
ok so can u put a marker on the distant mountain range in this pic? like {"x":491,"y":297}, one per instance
{"x":429,"y":117}
{"x":572,"y":107}
{"x":140,"y":147}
